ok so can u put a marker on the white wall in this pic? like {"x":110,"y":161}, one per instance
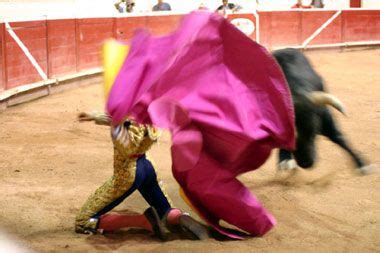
{"x":337,"y":4}
{"x":27,"y":9}
{"x":32,"y":9}
{"x":189,"y":5}
{"x":372,"y":4}
{"x":286,"y":4}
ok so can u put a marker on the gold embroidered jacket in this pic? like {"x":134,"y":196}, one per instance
{"x":129,"y":142}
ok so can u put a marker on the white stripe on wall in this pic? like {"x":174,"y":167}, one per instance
{"x":26,"y":51}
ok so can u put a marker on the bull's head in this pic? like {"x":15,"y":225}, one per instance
{"x":308,"y":123}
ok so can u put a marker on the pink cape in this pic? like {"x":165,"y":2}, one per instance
{"x":226,"y":103}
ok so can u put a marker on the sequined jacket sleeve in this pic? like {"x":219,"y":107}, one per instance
{"x":101,"y":118}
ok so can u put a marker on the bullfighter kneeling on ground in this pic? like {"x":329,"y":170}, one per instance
{"x":132,"y":171}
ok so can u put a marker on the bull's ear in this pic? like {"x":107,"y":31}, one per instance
{"x":322,"y":98}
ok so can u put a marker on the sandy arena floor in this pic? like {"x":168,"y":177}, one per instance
{"x":50,"y":164}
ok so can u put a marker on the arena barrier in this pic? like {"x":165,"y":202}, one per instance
{"x":40,"y":55}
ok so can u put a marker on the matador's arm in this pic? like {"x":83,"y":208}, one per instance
{"x":100,"y":118}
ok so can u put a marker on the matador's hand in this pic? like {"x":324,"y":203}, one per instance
{"x":83,"y":116}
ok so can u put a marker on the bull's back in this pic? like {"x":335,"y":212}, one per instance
{"x":298,"y":70}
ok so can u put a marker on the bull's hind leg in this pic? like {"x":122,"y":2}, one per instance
{"x":330,"y":130}
{"x":286,"y":161}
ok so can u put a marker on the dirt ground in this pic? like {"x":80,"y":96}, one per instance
{"x":50,"y":164}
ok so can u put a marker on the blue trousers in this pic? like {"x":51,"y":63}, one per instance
{"x":146,"y":183}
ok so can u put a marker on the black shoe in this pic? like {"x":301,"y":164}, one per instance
{"x":192,"y":228}
{"x":159,"y":228}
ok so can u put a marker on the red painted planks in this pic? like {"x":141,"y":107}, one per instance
{"x":19,"y":69}
{"x":90,"y":35}
{"x":2,"y":58}
{"x":265,"y":28}
{"x":162,"y":25}
{"x":285,"y":28}
{"x":355,"y":3}
{"x":313,"y":20}
{"x":61,"y":47}
{"x":126,"y":26}
{"x":361,"y":25}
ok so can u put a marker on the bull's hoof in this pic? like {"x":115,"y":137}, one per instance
{"x":287,"y":165}
{"x":368,"y":169}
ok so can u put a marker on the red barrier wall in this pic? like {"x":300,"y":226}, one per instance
{"x":265,"y":28}
{"x":90,"y":35}
{"x":2,"y":57}
{"x":19,"y":69}
{"x":310,"y":22}
{"x":355,"y":3}
{"x":71,"y":45}
{"x":161,"y":25}
{"x":285,"y":28}
{"x":125,"y":27}
{"x":61,"y":47}
{"x":361,"y":25}
{"x":293,"y":28}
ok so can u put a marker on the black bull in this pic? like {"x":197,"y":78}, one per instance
{"x":311,"y":114}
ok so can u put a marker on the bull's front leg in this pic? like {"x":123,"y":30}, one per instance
{"x":331,"y":131}
{"x":286,"y":161}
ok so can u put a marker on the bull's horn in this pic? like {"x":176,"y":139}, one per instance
{"x":323,"y":98}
